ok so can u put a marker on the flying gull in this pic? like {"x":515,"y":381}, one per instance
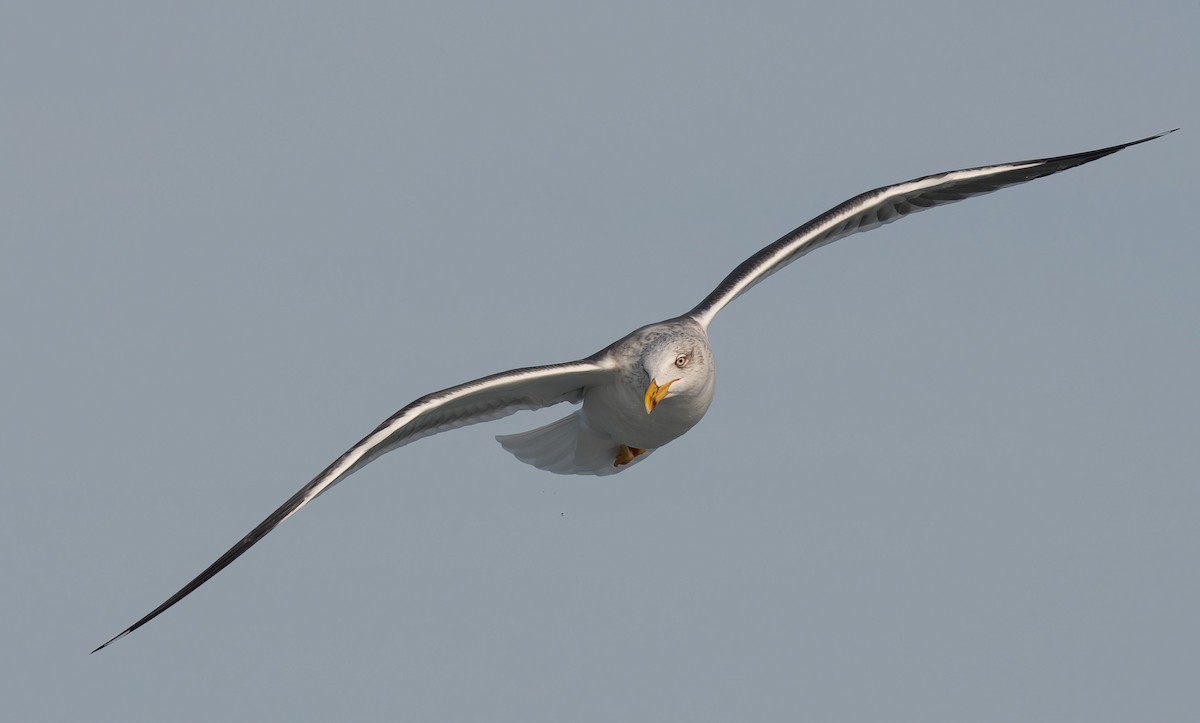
{"x":645,"y":389}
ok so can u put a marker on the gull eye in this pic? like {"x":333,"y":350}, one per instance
{"x":681,"y":360}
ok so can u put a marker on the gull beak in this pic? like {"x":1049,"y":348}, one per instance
{"x":655,"y":394}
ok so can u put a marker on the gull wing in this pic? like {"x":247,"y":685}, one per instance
{"x":884,"y":205}
{"x":491,"y":397}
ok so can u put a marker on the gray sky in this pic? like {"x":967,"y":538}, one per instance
{"x":950,"y":473}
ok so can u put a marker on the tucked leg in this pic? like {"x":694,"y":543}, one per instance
{"x":626,"y":454}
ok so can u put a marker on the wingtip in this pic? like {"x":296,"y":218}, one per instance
{"x":1156,"y":135}
{"x":1102,"y":152}
{"x":105,"y":645}
{"x":1147,"y":139}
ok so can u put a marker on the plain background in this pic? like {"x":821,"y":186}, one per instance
{"x":950,"y":473}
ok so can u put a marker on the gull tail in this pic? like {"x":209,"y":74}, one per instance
{"x":568,"y":446}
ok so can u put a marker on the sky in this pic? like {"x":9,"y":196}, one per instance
{"x":949,"y":473}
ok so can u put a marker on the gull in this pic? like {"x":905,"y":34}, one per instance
{"x":644,"y":390}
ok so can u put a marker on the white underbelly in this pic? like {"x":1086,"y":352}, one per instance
{"x":622,"y":415}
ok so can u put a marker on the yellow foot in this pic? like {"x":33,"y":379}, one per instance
{"x":625,"y":454}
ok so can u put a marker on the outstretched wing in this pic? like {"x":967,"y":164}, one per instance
{"x":884,"y":205}
{"x":482,"y":400}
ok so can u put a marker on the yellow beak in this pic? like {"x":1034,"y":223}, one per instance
{"x":655,"y":394}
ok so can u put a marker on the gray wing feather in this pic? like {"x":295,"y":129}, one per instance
{"x":492,"y":397}
{"x":884,"y":205}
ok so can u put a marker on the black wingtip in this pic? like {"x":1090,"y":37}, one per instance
{"x":1147,"y":139}
{"x":1156,"y":135}
{"x":105,"y":645}
{"x":1101,"y":152}
{"x":1123,"y":146}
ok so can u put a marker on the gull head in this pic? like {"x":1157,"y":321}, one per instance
{"x":679,"y":367}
